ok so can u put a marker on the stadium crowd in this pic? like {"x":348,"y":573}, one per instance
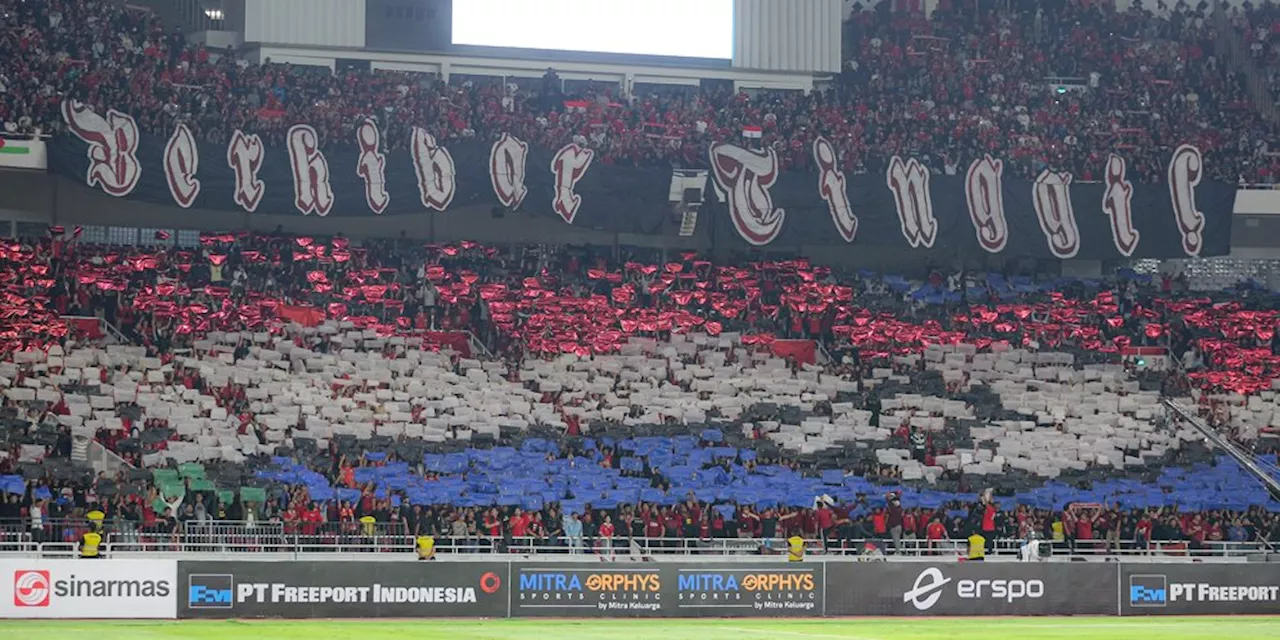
{"x":1054,"y":84}
{"x":530,"y":303}
{"x":1256,"y":25}
{"x":55,"y":512}
{"x":944,"y":89}
{"x":540,"y":301}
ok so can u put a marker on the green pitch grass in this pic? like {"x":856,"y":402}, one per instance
{"x":1238,"y":628}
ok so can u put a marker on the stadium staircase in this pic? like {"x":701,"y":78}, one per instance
{"x":1231,"y":48}
{"x":192,"y":16}
{"x":1264,"y":473}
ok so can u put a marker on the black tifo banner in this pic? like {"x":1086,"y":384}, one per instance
{"x":534,"y":589}
{"x":749,"y":199}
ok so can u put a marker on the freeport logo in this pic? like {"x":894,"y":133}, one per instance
{"x":210,"y":591}
{"x":1148,"y":591}
{"x":31,"y":588}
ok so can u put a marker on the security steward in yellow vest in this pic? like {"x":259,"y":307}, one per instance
{"x":90,"y":541}
{"x":977,"y":548}
{"x":795,"y":549}
{"x":426,"y":546}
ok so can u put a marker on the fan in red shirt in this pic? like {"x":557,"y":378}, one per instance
{"x":934,"y":532}
{"x":671,"y":522}
{"x":826,"y":519}
{"x":652,"y":528}
{"x":312,"y":519}
{"x":989,"y":520}
{"x":492,"y":524}
{"x":1084,"y":526}
{"x":692,"y":518}
{"x":606,"y":535}
{"x":519,"y":524}
{"x":291,"y":519}
{"x":1142,"y":532}
{"x":879,"y":526}
{"x":748,"y":523}
{"x":1197,"y":531}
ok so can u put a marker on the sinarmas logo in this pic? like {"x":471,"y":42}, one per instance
{"x":31,"y":588}
{"x":927,"y":589}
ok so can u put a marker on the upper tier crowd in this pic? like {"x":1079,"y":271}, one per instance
{"x":1257,"y":25}
{"x":944,"y":89}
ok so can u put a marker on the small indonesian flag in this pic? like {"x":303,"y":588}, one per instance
{"x":14,"y":148}
{"x":752,"y":131}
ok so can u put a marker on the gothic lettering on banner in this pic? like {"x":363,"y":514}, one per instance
{"x":757,"y":199}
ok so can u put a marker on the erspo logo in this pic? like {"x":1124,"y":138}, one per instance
{"x":31,"y":588}
{"x":928,"y":589}
{"x":750,"y":588}
{"x":619,"y":589}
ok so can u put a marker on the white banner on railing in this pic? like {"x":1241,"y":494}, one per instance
{"x":88,"y":588}
{"x":23,"y":154}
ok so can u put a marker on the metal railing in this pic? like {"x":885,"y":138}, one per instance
{"x":478,"y":348}
{"x":268,"y":537}
{"x":858,"y":547}
{"x":274,"y":537}
{"x":24,"y":136}
{"x":104,"y":460}
{"x":107,"y":328}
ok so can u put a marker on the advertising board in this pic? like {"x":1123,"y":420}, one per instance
{"x":88,"y":588}
{"x":581,"y":591}
{"x":971,"y":589}
{"x":754,"y":590}
{"x":668,"y":590}
{"x":159,"y":589}
{"x":342,"y":589}
{"x":1210,"y":589}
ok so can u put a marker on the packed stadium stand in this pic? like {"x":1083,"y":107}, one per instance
{"x":265,"y":391}
{"x":947,"y":88}
{"x":348,"y":401}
